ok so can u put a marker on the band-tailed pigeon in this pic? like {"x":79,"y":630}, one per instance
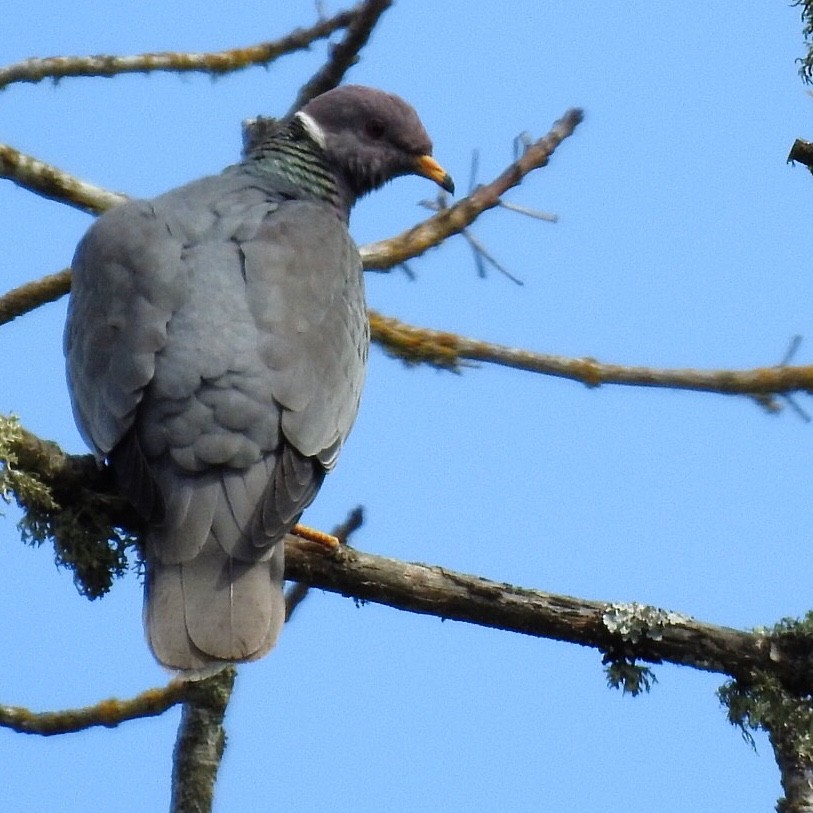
{"x":216,"y":345}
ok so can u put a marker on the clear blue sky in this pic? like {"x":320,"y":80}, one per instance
{"x":684,"y":240}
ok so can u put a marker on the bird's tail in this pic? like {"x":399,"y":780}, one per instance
{"x":215,"y":569}
{"x":213,"y":609}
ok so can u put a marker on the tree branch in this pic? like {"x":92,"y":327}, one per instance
{"x":437,"y":591}
{"x":31,"y":295}
{"x":433,"y":231}
{"x":796,"y":772}
{"x":802,"y":151}
{"x":108,"y":713}
{"x":642,"y":632}
{"x":343,"y":55}
{"x":450,"y":351}
{"x":622,"y":631}
{"x":218,"y":62}
{"x":299,"y":591}
{"x":50,"y":182}
{"x":419,"y":345}
{"x":56,"y":184}
{"x":200,"y":743}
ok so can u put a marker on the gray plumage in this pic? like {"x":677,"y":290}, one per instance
{"x":216,"y":345}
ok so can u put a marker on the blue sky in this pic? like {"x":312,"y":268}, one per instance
{"x":683,"y":241}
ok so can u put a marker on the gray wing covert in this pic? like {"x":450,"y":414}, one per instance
{"x":305,"y":289}
{"x":127,"y":282}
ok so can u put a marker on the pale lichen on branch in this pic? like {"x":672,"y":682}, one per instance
{"x":51,"y":182}
{"x":107,"y":713}
{"x":214,"y":62}
{"x":438,"y":348}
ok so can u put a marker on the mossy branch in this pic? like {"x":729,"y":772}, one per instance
{"x":70,"y":501}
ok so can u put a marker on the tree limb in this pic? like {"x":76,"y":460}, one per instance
{"x":50,"y":182}
{"x":420,"y":345}
{"x":433,"y":231}
{"x":217,"y":62}
{"x":344,"y":54}
{"x":450,"y":351}
{"x":200,"y":743}
{"x":437,"y":591}
{"x":108,"y":713}
{"x":646,"y":633}
{"x":632,"y":631}
{"x":31,"y":295}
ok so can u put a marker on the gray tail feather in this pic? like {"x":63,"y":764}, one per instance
{"x":215,"y":551}
{"x":214,"y":609}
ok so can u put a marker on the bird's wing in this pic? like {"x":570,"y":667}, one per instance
{"x":220,"y":324}
{"x":305,"y":291}
{"x":127,"y":283}
{"x":215,"y":344}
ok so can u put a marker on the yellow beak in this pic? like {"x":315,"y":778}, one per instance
{"x":428,"y":167}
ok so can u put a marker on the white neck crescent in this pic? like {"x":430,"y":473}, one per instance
{"x":312,"y":128}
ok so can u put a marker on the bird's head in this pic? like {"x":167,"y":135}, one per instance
{"x":371,"y":137}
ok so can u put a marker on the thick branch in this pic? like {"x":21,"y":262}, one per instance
{"x":66,"y":475}
{"x":642,"y":632}
{"x":344,"y":54}
{"x":218,"y":62}
{"x":625,"y":633}
{"x":108,"y":713}
{"x":200,"y":743}
{"x":436,"y":591}
{"x":796,"y":774}
{"x":631,"y":631}
{"x":436,"y":229}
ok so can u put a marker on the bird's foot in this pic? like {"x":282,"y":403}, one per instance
{"x":320,"y":537}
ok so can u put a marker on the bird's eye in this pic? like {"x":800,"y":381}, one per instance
{"x":374,"y":129}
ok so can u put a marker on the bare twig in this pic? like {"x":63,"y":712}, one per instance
{"x":49,"y":181}
{"x":528,"y":211}
{"x":218,"y":62}
{"x":344,"y":54}
{"x":481,"y":254}
{"x":108,"y":713}
{"x":200,"y":742}
{"x":433,"y":231}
